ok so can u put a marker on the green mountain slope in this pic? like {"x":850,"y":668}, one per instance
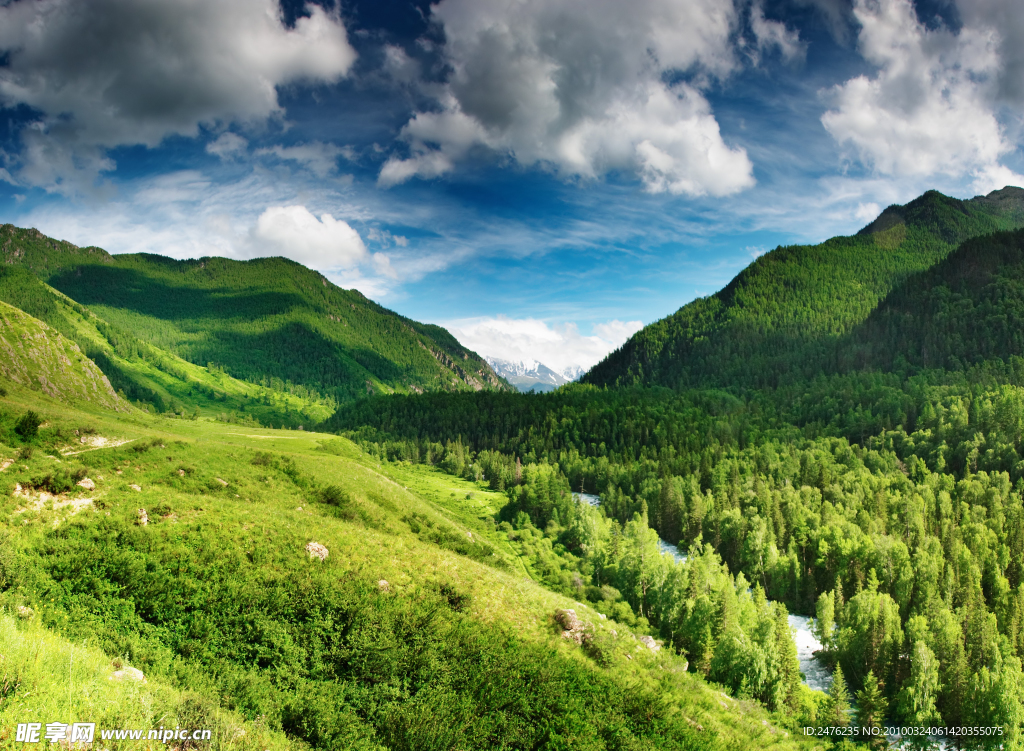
{"x":417,"y":625}
{"x":153,"y":379}
{"x":779,"y":316}
{"x":33,"y":354}
{"x":269,"y":321}
{"x":965,"y":310}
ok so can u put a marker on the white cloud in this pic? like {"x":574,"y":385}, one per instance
{"x":227,"y":146}
{"x":319,"y":158}
{"x":325,"y":243}
{"x":930,"y":108}
{"x":770,"y":35}
{"x":559,"y":346}
{"x":579,"y":86}
{"x":867,"y":212}
{"x":119,"y":72}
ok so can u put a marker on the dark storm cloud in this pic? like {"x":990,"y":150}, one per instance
{"x":115,"y":72}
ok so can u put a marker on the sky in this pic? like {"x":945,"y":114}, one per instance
{"x":542,"y":177}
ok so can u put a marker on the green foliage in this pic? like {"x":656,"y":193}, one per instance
{"x":871,"y":711}
{"x":27,"y":425}
{"x":782,"y":315}
{"x":836,"y":712}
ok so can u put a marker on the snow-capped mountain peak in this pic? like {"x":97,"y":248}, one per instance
{"x":532,"y":375}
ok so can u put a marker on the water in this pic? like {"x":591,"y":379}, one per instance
{"x":815,"y":674}
{"x":664,"y":547}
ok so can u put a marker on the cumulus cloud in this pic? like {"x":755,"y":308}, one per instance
{"x":319,"y":158}
{"x":559,"y":346}
{"x":581,"y":87}
{"x":120,"y":72}
{"x":324,"y":243}
{"x":867,"y":212}
{"x":931,"y":107}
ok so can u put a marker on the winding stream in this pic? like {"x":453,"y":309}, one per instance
{"x":814,"y":672}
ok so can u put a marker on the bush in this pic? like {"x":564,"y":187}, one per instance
{"x":335,"y":495}
{"x":28,"y":425}
{"x":60,"y":480}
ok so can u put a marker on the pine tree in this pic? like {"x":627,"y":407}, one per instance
{"x":871,"y":709}
{"x":837,"y":706}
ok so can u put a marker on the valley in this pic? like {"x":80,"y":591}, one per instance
{"x":312,"y":523}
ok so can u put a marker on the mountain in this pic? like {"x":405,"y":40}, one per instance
{"x":268,"y":321}
{"x":153,"y":379}
{"x":34,"y":355}
{"x":573,"y":372}
{"x":965,"y":310}
{"x":783,"y":314}
{"x":528,"y":375}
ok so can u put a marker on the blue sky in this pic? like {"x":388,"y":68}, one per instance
{"x":541,"y":176}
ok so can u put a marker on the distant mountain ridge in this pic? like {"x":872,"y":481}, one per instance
{"x":266,"y":321}
{"x":782,"y":315}
{"x":532,"y":375}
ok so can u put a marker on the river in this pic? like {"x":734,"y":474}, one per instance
{"x":815,"y":673}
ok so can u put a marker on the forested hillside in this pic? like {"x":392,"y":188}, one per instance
{"x":154,"y":379}
{"x":965,"y":310}
{"x":268,"y":321}
{"x":874,"y":479}
{"x":783,"y":313}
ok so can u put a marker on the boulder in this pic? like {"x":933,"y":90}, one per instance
{"x":25,"y":612}
{"x":573,"y":629}
{"x":143,"y":517}
{"x":649,"y":642}
{"x":87,"y":484}
{"x":128,"y":673}
{"x":316,"y":550}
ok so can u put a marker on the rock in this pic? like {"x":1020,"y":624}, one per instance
{"x":25,"y":612}
{"x":143,"y":517}
{"x":602,"y":616}
{"x":383,"y":586}
{"x":181,"y":473}
{"x":649,"y":642}
{"x":136,"y":488}
{"x":573,"y":628}
{"x":316,"y":550}
{"x":222,"y":482}
{"x":133,"y":674}
{"x":87,"y":484}
{"x":567,"y":619}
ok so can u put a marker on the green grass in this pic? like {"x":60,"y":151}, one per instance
{"x":45,"y":677}
{"x":217,"y":599}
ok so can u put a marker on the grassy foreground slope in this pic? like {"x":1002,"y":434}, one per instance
{"x":418,"y":630}
{"x":269,"y":321}
{"x":782,"y":314}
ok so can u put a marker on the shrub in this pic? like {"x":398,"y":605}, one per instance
{"x":335,"y":495}
{"x":28,"y":425}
